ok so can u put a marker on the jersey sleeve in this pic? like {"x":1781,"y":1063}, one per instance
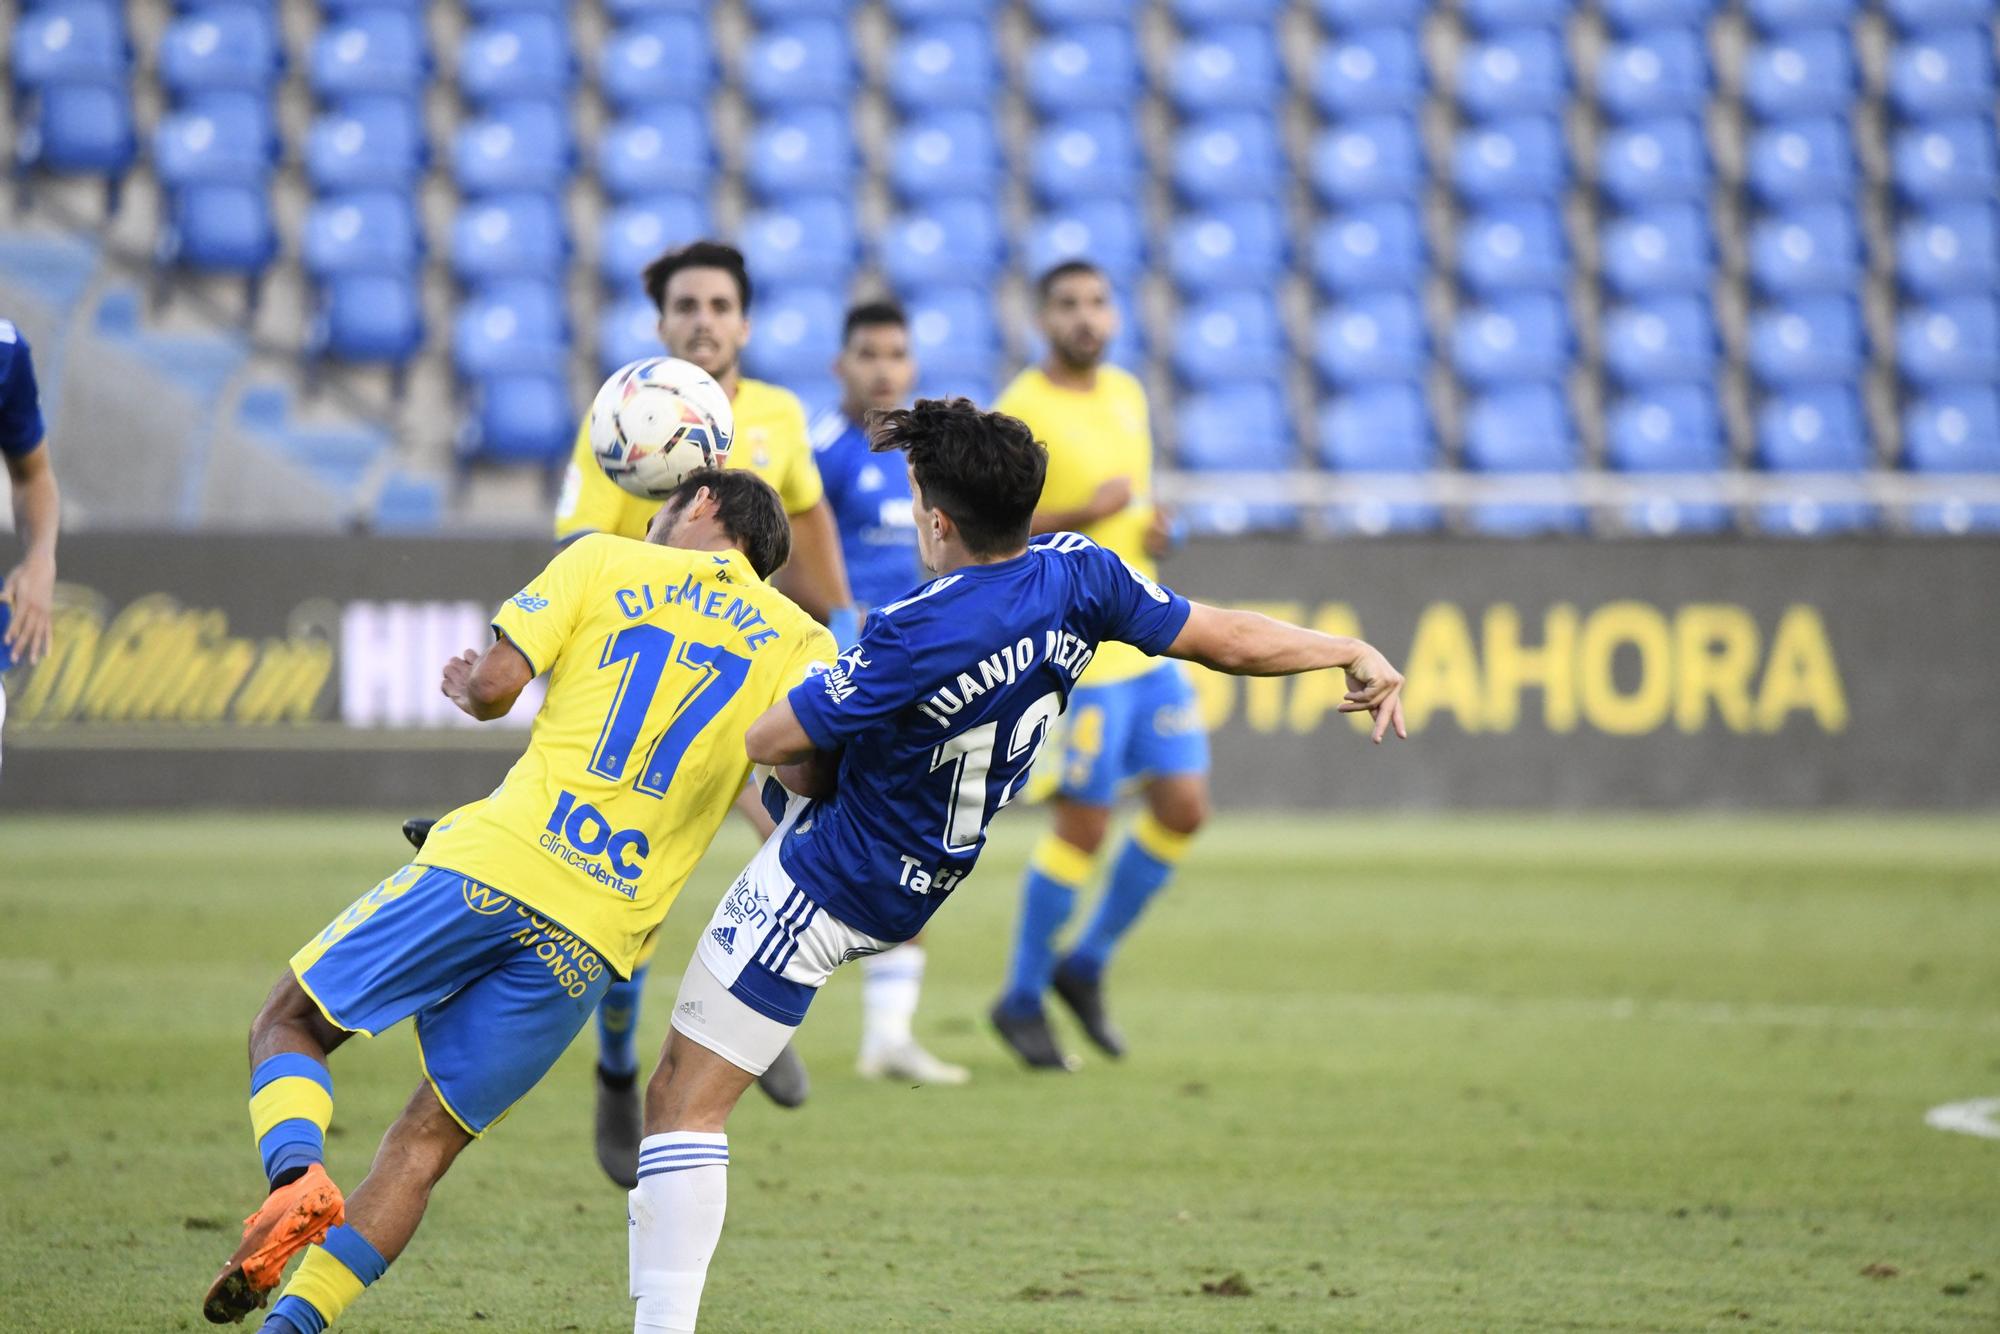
{"x":540,"y":619}
{"x":591,"y":502}
{"x":799,"y":487}
{"x":1133,"y":608}
{"x":21,"y":427}
{"x":863,"y":688}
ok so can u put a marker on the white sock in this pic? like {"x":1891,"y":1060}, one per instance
{"x":676,"y":1219}
{"x":890,"y":984}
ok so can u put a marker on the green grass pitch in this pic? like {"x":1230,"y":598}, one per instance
{"x":1414,"y":1074}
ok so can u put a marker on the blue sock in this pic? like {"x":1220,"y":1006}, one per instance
{"x":618,"y":1024}
{"x":333,"y":1274}
{"x":1048,"y":894}
{"x":291,"y":1104}
{"x":1144,"y":866}
{"x":292,"y":1316}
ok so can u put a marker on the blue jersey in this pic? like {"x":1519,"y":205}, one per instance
{"x":20,"y":403}
{"x":870,"y":496}
{"x":939,"y":711}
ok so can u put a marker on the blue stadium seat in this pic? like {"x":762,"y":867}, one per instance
{"x":1370,"y":246}
{"x":511,"y":327}
{"x":1664,"y":72}
{"x":801,"y":240}
{"x":952,"y":330}
{"x":1666,"y":428}
{"x":369,"y":144}
{"x":1524,"y":428}
{"x":1808,"y":73}
{"x":1231,"y":67}
{"x":220,"y":226}
{"x":1953,"y":430}
{"x":1911,"y":15}
{"x":923,"y":11}
{"x":370,"y":51}
{"x":769,"y":11}
{"x":635,"y":233}
{"x":1806,"y":517}
{"x":508,"y":236}
{"x":1661,"y":340}
{"x":1513,"y":72}
{"x":1951,"y":341}
{"x":70,"y":43}
{"x":1808,"y":341}
{"x":1342,"y":15}
{"x":1947,"y":159}
{"x":1107,"y":232}
{"x":1378,"y":428}
{"x":1638,"y":15}
{"x":980,"y":388}
{"x":1784,"y":15}
{"x":514,"y":146}
{"x":949,"y":64}
{"x":1497,"y":15}
{"x":1204,"y":13}
{"x":1518,"y":337}
{"x":1091,"y":65}
{"x":336,"y":9}
{"x":78,"y":127}
{"x":1230,"y":245}
{"x":1666,"y":249}
{"x":1954,"y":517}
{"x":1054,"y":13}
{"x":1228,"y":156}
{"x":372,"y":232}
{"x":223,"y":139}
{"x":954,"y":240}
{"x":668,"y":58}
{"x":1371,"y":157}
{"x":220,"y":47}
{"x":1229,"y":336}
{"x":627,"y":330}
{"x":664,"y":146}
{"x":1653,"y":161}
{"x":1801,"y":161}
{"x":624,"y":11}
{"x":1088,"y":155}
{"x":944,"y":154}
{"x":810,"y":60}
{"x":1816,"y":248}
{"x":1511,"y":158}
{"x":1955,"y":249}
{"x":520,"y":418}
{"x":1812,"y":430}
{"x":1371,"y":337}
{"x":1234,"y":428}
{"x":798,"y":333}
{"x":516,"y":54}
{"x":1944,"y":73}
{"x":1513,"y":246}
{"x":368,"y":317}
{"x":1374,"y":69}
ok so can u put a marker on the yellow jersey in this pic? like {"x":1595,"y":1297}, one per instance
{"x":770,"y":441}
{"x":1093,"y":436}
{"x":658,"y":661}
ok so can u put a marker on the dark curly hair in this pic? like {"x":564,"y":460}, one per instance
{"x":984,"y":469}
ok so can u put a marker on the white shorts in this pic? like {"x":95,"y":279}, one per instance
{"x":762,"y":958}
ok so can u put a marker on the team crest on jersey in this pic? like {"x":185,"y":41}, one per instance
{"x":839,"y":678}
{"x":1153,"y":590}
{"x":527,"y":601}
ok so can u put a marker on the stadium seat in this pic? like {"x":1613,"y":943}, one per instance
{"x":954,"y":240}
{"x":1229,"y":336}
{"x":1802,"y":161}
{"x":666,"y":145}
{"x":1666,"y":428}
{"x":1807,"y":517}
{"x":374,"y":143}
{"x":373,"y":232}
{"x":1497,"y":15}
{"x":1517,"y":337}
{"x":1951,"y":341}
{"x":798,"y":333}
{"x":1088,"y":66}
{"x":1508,"y":159}
{"x":514,"y":146}
{"x":1955,"y":249}
{"x":1784,"y":15}
{"x":1654,"y":161}
{"x":667,"y":58}
{"x":516,"y":54}
{"x":1227,"y":157}
{"x":1809,"y":73}
{"x":218,"y":48}
{"x":923,"y":11}
{"x":1226,"y":68}
{"x":1371,"y":337}
{"x":72,"y":43}
{"x":1370,"y":246}
{"x":219,"y":226}
{"x":1234,"y":428}
{"x":1911,"y":15}
{"x":1944,"y":73}
{"x":1235,"y":245}
{"x":1808,"y":341}
{"x":1371,"y":157}
{"x":635,"y":233}
{"x":78,"y":127}
{"x":980,"y":388}
{"x":1661,"y":340}
{"x":1639,"y":15}
{"x":1946,"y":159}
{"x":1953,"y":430}
{"x":1664,"y":72}
{"x":801,"y":240}
{"x":1816,"y":248}
{"x":223,"y":139}
{"x":1343,"y":15}
{"x":370,"y":51}
{"x":1524,"y":428}
{"x":1377,"y":428}
{"x":509,"y":236}
{"x":952,"y":330}
{"x":511,"y":327}
{"x":520,"y":418}
{"x":1087,"y":155}
{"x":1370,"y":70}
{"x":1812,"y":430}
{"x":770,"y":11}
{"x":1954,"y":517}
{"x":1511,"y":247}
{"x":1203,"y":13}
{"x":624,"y":11}
{"x":805,"y":61}
{"x":949,"y":64}
{"x":336,"y":9}
{"x":948,"y":153}
{"x":1667,"y":249}
{"x":1512,"y":73}
{"x":1107,"y":232}
{"x":627,"y":330}
{"x":367,"y":317}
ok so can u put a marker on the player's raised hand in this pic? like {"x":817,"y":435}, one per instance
{"x":458,"y":679}
{"x":30,"y":589}
{"x":1376,"y":688}
{"x":1110,"y":498}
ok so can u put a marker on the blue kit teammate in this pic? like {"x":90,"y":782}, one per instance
{"x":28,"y":595}
{"x":901,"y":754}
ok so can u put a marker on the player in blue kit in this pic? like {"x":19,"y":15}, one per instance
{"x":27,"y":596}
{"x":900,"y":756}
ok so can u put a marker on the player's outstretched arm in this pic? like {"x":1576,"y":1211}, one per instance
{"x":1247,"y":643}
{"x":486,"y":685}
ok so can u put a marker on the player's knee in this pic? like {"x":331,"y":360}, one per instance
{"x":425,"y":1140}
{"x":1082,"y":827}
{"x":1181,"y":807}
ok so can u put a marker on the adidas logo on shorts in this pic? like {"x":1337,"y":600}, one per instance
{"x":690,"y":1009}
{"x":725,"y":936}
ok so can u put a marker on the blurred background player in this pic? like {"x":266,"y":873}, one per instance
{"x":1133,"y":718}
{"x":870,"y":497}
{"x":29,"y":592}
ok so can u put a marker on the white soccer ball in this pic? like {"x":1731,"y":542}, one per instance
{"x":657,"y":420}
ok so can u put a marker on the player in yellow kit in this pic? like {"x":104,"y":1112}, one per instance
{"x":1133,"y":719}
{"x":502,"y":936}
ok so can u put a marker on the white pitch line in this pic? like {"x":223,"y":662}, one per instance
{"x":1752,"y":1014}
{"x":1980,"y":1116}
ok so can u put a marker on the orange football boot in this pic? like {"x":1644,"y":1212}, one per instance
{"x":293,"y":1217}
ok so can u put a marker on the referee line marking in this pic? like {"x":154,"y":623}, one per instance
{"x":1978,"y":1116}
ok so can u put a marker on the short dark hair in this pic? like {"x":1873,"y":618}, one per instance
{"x":984,"y":469}
{"x":872,"y":315}
{"x":697,"y":255}
{"x":1069,"y":268}
{"x":748,"y":510}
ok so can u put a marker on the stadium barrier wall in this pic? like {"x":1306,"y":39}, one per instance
{"x":216,"y":670}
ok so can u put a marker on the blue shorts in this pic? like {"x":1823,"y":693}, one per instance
{"x":497,"y":991}
{"x":1146,"y":727}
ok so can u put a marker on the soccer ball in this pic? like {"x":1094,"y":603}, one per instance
{"x":657,"y":420}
